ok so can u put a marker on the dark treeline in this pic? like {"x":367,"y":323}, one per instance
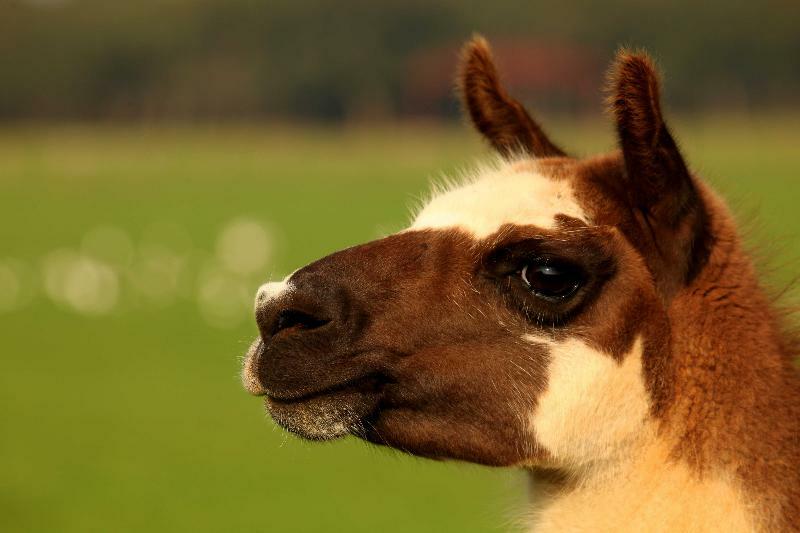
{"x":335,"y":60}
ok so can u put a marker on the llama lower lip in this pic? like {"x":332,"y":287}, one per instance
{"x":328,"y":414}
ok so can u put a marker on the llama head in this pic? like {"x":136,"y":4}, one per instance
{"x":521,"y":318}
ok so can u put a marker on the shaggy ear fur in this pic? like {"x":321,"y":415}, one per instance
{"x":501,"y":119}
{"x":658,"y":180}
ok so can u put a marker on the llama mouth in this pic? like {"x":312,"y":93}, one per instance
{"x":329,"y":413}
{"x":362,"y":384}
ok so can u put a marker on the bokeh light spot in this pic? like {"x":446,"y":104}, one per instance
{"x":224,"y":299}
{"x":244,"y":246}
{"x":80,"y":282}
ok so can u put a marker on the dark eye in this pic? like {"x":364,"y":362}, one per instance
{"x":551,"y":281}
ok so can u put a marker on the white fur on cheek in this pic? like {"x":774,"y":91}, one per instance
{"x":593,"y":405}
{"x":514,"y":193}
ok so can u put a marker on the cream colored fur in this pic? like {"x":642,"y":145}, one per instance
{"x":644,"y":491}
{"x":505,"y":193}
{"x":271,"y":290}
{"x":593,"y":421}
{"x":593,"y":406}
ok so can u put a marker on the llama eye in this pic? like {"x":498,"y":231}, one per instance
{"x":551,"y":282}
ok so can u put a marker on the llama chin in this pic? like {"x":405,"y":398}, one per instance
{"x":321,"y":418}
{"x":592,"y":321}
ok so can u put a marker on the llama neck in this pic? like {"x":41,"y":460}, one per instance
{"x":735,"y":404}
{"x":730,"y":363}
{"x":643,"y":489}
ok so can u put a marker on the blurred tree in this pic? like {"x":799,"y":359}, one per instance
{"x":323,"y":60}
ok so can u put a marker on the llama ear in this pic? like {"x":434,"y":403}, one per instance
{"x":658,"y":185}
{"x":501,"y":119}
{"x":658,"y":181}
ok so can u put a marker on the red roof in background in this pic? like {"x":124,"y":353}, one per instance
{"x":528,"y":68}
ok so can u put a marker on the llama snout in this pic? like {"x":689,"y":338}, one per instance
{"x":308,"y":325}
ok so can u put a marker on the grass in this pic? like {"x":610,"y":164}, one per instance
{"x":135,"y":420}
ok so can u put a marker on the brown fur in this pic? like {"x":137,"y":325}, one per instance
{"x":428,"y":341}
{"x":502,"y":120}
{"x":736,"y":397}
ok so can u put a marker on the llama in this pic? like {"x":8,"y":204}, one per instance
{"x":593,"y":321}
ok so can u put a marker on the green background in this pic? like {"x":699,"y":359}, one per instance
{"x":135,"y":420}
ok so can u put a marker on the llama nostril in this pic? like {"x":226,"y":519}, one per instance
{"x":293,"y":318}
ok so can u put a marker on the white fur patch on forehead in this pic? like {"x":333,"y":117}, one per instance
{"x":509,"y":192}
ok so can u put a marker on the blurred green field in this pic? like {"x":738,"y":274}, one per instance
{"x":127,"y":415}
